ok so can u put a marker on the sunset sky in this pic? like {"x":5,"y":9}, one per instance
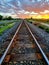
{"x":25,"y":8}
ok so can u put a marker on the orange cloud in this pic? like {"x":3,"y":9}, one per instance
{"x":23,"y":16}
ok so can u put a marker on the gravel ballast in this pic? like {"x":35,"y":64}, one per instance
{"x":9,"y":32}
{"x":40,"y":33}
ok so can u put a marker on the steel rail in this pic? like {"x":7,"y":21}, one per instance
{"x":44,"y":55}
{"x":2,"y":58}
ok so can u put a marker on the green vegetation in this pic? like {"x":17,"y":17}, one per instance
{"x":38,"y":20}
{"x":1,"y":17}
{"x":47,"y":30}
{"x":30,"y":20}
{"x":6,"y":18}
{"x":44,"y":27}
{"x":5,"y":27}
{"x":7,"y":23}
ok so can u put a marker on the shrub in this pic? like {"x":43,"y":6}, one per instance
{"x":47,"y":30}
{"x":42,"y":27}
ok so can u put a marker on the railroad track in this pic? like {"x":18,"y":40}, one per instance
{"x":24,"y":49}
{"x":6,"y":38}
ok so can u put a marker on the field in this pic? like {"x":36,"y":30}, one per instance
{"x":6,"y":25}
{"x":38,"y":22}
{"x":44,"y":28}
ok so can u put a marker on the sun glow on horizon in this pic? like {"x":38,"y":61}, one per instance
{"x":46,"y":16}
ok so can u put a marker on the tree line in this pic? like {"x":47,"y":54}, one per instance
{"x":6,"y":18}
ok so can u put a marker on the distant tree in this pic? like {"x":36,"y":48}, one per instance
{"x":1,"y":17}
{"x":31,"y":18}
{"x":9,"y":18}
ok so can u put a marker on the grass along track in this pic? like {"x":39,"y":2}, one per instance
{"x":44,"y":28}
{"x":2,"y":29}
{"x":6,"y":38}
